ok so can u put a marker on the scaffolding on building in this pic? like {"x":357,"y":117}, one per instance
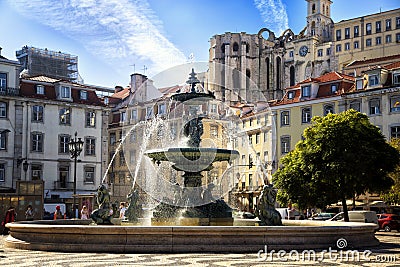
{"x":54,"y":64}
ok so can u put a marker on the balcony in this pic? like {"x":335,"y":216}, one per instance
{"x":8,"y":91}
{"x":61,"y":185}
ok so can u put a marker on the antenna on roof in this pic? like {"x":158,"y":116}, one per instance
{"x":144,"y":69}
{"x":133,"y":67}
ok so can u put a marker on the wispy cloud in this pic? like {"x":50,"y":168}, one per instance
{"x":273,"y":13}
{"x":118,"y":30}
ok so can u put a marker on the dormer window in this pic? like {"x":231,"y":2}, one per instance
{"x":306,"y":91}
{"x":290,"y":95}
{"x":39,"y":89}
{"x":83,"y":95}
{"x":333,"y":88}
{"x":373,"y":80}
{"x":65,"y":92}
{"x":161,"y":109}
{"x":396,"y":78}
{"x":360,"y":84}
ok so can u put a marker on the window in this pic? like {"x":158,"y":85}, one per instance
{"x":257,"y":138}
{"x":134,"y":114}
{"x":83,"y":95}
{"x":328,"y":109}
{"x":63,"y":172}
{"x":397,"y":37}
{"x":235,"y":47}
{"x":388,"y":38}
{"x":37,"y":142}
{"x":368,"y":28}
{"x":250,"y":139}
{"x":65,"y":92}
{"x":333,"y":88}
{"x":373,"y":80}
{"x":63,"y":147}
{"x":356,"y":105}
{"x":338,"y":35}
{"x":285,"y":118}
{"x":291,"y":53}
{"x":132,"y":157}
{"x":338,"y":48}
{"x":395,"y":104}
{"x":36,"y":172}
{"x":320,"y":52}
{"x":395,"y":132}
{"x":285,"y":144}
{"x":368,"y":42}
{"x":213,"y":108}
{"x":3,"y":139}
{"x":121,"y":158}
{"x":397,"y":22}
{"x":396,"y":78}
{"x":37,"y":113}
{"x":328,"y":51}
{"x":374,"y":106}
{"x":251,"y":122}
{"x":122,"y":116}
{"x":306,"y":115}
{"x":132,"y":137}
{"x":161,"y":109}
{"x":265,"y":137}
{"x":356,"y":31}
{"x":90,"y":146}
{"x":89,"y":175}
{"x":3,"y":110}
{"x":306,"y":91}
{"x":65,"y":116}
{"x":378,"y":26}
{"x":359,"y":84}
{"x":243,"y":159}
{"x":2,"y":172}
{"x":113,"y":138}
{"x":290,"y":95}
{"x":149,"y":112}
{"x":347,"y":46}
{"x":356,"y":45}
{"x":214,"y":130}
{"x":378,"y":40}
{"x":347,"y":33}
{"x":388,"y":24}
{"x":39,"y":89}
{"x":3,"y":82}
{"x":90,"y":118}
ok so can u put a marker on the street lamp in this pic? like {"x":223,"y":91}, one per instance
{"x":25,"y":167}
{"x":75,"y":148}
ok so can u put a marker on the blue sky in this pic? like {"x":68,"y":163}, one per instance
{"x":110,"y":36}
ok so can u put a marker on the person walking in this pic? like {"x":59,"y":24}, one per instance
{"x":29,"y":213}
{"x":8,"y":218}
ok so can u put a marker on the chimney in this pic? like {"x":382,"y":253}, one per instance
{"x":0,"y":50}
{"x":118,"y":89}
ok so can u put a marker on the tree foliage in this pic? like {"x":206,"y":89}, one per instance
{"x":393,"y":195}
{"x":342,"y":155}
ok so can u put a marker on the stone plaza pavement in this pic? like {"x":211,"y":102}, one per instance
{"x":386,"y":254}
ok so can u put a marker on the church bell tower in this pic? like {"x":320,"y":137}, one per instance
{"x":319,"y":22}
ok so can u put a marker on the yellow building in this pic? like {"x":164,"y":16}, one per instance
{"x":371,"y":36}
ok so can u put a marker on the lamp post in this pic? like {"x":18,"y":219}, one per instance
{"x":75,"y":148}
{"x":25,"y":167}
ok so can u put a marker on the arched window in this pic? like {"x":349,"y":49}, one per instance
{"x":328,"y":109}
{"x":247,"y":48}
{"x":313,"y":8}
{"x":323,"y":9}
{"x":235,"y":47}
{"x":278,"y":73}
{"x":292,"y":76}
{"x":268,"y":71}
{"x":313,"y":28}
{"x":223,"y":48}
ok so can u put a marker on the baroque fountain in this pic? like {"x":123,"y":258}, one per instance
{"x":193,"y":219}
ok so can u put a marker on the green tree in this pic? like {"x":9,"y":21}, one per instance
{"x":342,"y":155}
{"x":393,"y":195}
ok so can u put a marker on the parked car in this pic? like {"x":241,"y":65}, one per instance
{"x":285,"y":214}
{"x":323,"y":216}
{"x":389,"y":222}
{"x":358,"y":216}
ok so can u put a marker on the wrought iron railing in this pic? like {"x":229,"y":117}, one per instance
{"x":9,"y":91}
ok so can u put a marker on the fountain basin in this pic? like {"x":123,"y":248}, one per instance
{"x":68,"y":236}
{"x":187,"y":158}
